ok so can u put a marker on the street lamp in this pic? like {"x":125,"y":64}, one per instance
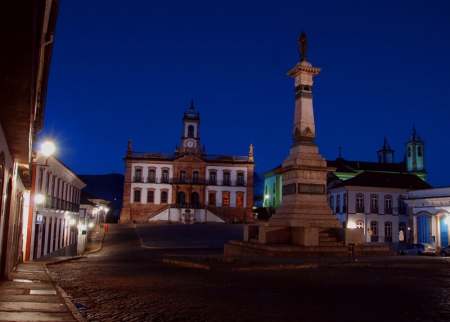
{"x":47,"y":149}
{"x":266,"y":200}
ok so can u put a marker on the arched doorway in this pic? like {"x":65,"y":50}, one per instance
{"x":195,"y":199}
{"x":423,"y":229}
{"x":444,"y":231}
{"x":181,"y":198}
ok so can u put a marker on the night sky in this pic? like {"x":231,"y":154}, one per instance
{"x":128,"y":70}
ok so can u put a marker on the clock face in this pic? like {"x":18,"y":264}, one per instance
{"x":190,"y":143}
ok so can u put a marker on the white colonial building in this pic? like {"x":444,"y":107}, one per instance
{"x":375,"y":202}
{"x":187,"y":186}
{"x":51,"y":211}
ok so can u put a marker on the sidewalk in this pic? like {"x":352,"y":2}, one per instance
{"x":31,"y":295}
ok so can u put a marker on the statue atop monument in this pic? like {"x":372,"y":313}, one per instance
{"x":302,"y":46}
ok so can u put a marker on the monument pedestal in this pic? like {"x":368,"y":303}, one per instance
{"x":304,"y":224}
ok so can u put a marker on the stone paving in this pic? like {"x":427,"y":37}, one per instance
{"x":128,"y":282}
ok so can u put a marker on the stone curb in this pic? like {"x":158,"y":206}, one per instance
{"x":75,"y":312}
{"x":262,"y":266}
{"x":185,"y":264}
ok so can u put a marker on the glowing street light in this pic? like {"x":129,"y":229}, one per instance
{"x":47,"y":148}
{"x":39,"y":198}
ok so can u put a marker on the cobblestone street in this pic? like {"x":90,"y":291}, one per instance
{"x":127,"y":282}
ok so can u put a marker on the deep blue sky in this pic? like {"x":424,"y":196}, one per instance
{"x":126,"y":70}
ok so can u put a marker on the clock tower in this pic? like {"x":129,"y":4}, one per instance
{"x":190,"y":141}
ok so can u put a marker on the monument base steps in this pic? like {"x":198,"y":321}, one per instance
{"x":249,"y":249}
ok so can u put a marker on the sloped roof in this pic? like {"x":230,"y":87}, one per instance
{"x":386,"y":180}
{"x":343,"y":165}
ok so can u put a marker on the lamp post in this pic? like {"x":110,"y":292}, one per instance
{"x":266,"y":201}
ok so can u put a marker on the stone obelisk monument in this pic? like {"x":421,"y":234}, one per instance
{"x":304,"y":224}
{"x":304,"y":171}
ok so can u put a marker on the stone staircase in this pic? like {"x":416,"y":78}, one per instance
{"x":330,"y":237}
{"x":330,"y":245}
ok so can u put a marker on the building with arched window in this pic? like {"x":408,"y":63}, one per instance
{"x":429,"y":216}
{"x":376,"y":202}
{"x":188,"y":185}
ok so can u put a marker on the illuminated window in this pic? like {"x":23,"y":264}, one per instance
{"x":225,"y":199}
{"x":239,"y":199}
{"x":360,"y":224}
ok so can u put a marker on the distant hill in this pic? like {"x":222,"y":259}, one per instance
{"x":105,"y":186}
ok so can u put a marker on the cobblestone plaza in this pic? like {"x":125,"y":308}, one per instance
{"x":128,"y":282}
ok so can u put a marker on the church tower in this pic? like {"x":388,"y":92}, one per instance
{"x":386,"y":154}
{"x":415,"y":155}
{"x":190,"y":140}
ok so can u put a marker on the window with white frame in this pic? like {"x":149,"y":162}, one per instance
{"x":374,"y":204}
{"x":137,"y":195}
{"x":150,"y":196}
{"x":138,"y":175}
{"x":360,"y":203}
{"x":388,"y":205}
{"x":388,"y":231}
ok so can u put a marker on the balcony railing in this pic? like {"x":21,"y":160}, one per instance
{"x":388,"y":211}
{"x":360,"y":209}
{"x":172,"y":156}
{"x":199,"y":181}
{"x":402,"y":211}
{"x":374,"y":210}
